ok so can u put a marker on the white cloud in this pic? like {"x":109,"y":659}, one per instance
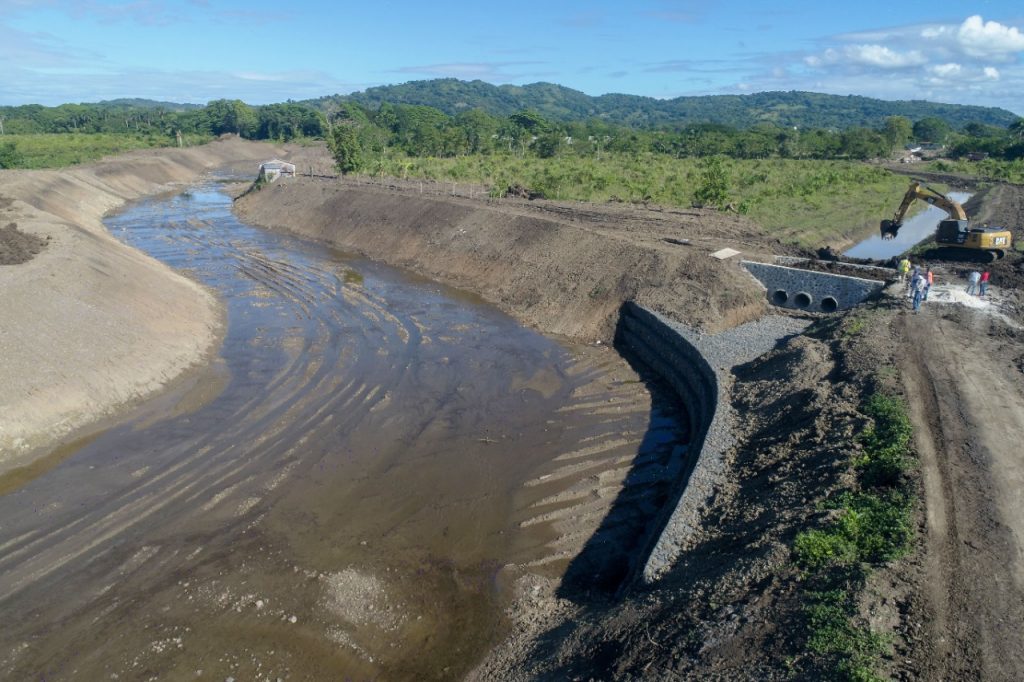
{"x":949,"y":70}
{"x":868,"y":55}
{"x":980,"y":38}
{"x":935,"y":32}
{"x":881,"y":56}
{"x":992,"y":73}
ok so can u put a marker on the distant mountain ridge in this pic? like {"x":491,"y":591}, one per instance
{"x":800,"y":109}
{"x":139,"y":103}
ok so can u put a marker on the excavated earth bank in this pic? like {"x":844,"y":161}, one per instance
{"x":89,"y":324}
{"x":563,"y":268}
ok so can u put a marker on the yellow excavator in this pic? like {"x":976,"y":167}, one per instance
{"x":955,"y":236}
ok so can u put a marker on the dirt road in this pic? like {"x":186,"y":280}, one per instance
{"x":964,"y":382}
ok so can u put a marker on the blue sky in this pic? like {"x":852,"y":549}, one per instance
{"x":56,"y":51}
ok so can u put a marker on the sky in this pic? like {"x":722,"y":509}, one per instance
{"x":56,"y":51}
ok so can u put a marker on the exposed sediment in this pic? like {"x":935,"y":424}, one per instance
{"x":89,"y":324}
{"x":565,"y":269}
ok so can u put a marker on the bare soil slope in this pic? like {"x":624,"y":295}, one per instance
{"x":88,"y":323}
{"x":564,"y":268}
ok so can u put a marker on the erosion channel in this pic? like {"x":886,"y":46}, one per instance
{"x":380,"y":455}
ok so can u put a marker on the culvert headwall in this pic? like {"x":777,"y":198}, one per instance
{"x":698,"y":367}
{"x":810,"y":290}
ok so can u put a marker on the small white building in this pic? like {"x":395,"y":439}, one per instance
{"x":275,"y":168}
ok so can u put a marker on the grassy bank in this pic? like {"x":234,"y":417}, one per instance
{"x":803,"y":202}
{"x":60,"y":150}
{"x":991,"y":169}
{"x":869,"y":526}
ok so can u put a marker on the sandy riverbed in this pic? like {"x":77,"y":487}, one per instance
{"x":91,"y":325}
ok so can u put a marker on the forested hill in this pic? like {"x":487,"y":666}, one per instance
{"x":801,"y":109}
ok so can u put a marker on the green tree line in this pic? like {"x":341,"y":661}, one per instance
{"x":368,"y":137}
{"x":283,"y":121}
{"x":364,"y":138}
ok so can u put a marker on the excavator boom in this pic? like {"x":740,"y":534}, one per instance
{"x":954,"y":233}
{"x":929,"y":195}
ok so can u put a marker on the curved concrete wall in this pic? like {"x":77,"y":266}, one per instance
{"x":698,"y":367}
{"x":819,"y":292}
{"x":671,"y":356}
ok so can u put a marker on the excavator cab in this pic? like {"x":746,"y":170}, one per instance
{"x":952,"y":231}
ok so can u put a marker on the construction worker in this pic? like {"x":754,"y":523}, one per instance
{"x":929,"y":281}
{"x":918,"y":291}
{"x":915,"y":274}
{"x":984,"y":282}
{"x":972,"y":282}
{"x":903,"y":269}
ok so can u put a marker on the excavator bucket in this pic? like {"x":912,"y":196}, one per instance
{"x":889,"y":229}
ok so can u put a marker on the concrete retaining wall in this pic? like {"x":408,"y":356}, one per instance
{"x":670,"y":355}
{"x":820,"y":292}
{"x":698,"y":367}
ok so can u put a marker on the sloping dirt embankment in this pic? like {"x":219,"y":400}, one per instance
{"x":565,"y":269}
{"x":89,"y":324}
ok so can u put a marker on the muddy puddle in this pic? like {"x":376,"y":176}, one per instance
{"x":379,"y":451}
{"x":915,"y":229}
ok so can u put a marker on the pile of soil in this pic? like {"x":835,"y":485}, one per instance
{"x":18,"y":247}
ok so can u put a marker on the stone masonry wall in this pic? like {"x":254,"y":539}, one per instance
{"x":698,"y":367}
{"x":809,"y":290}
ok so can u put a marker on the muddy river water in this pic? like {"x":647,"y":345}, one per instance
{"x":338,"y":497}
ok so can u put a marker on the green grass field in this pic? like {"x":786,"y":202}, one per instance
{"x":60,"y":150}
{"x":805,"y":202}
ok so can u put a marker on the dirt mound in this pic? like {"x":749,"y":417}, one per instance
{"x":840,"y":268}
{"x":16,"y":246}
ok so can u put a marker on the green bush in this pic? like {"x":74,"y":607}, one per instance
{"x":852,"y":650}
{"x":885,"y":442}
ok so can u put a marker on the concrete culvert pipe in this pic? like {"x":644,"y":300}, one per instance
{"x":803,"y":300}
{"x":829,"y":304}
{"x":780,"y":297}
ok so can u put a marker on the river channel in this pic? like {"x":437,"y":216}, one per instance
{"x":915,"y":229}
{"x":340,"y":496}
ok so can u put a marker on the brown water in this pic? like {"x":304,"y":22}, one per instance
{"x":342,"y":509}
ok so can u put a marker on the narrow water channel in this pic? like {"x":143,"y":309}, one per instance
{"x":343,"y":508}
{"x":915,"y":229}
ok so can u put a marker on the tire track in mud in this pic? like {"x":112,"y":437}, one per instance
{"x":966,"y":408}
{"x":374,"y":431}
